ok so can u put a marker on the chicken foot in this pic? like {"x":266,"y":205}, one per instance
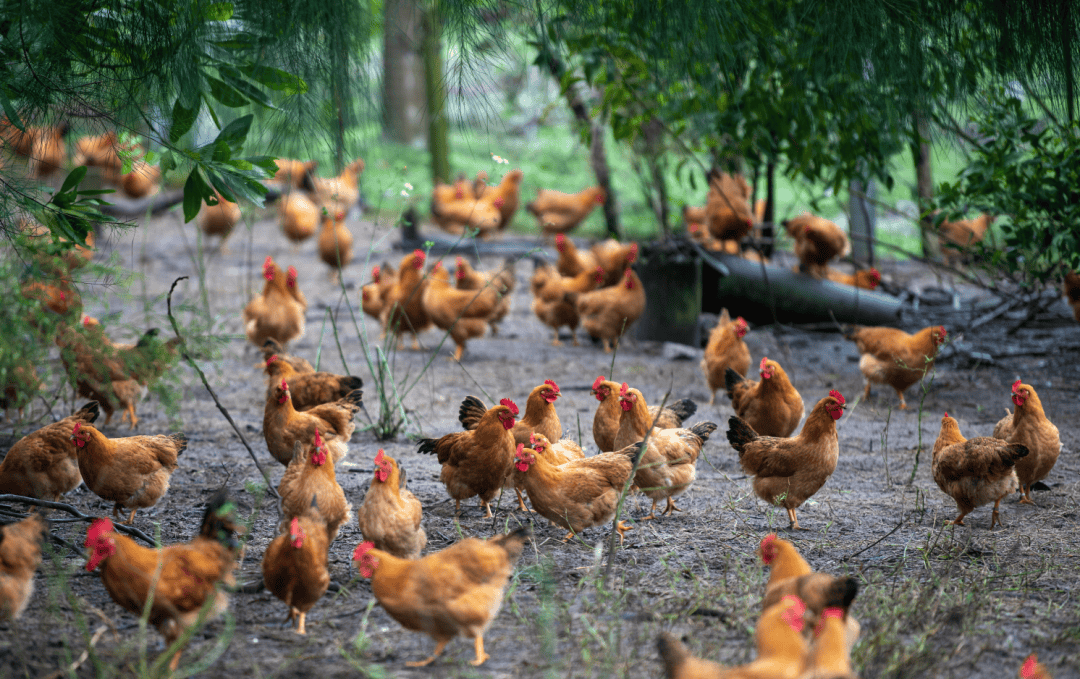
{"x":439,"y":646}
{"x":652,"y":512}
{"x":481,"y":656}
{"x":301,"y":618}
{"x":1025,"y":498}
{"x":794,"y":519}
{"x":116,"y":515}
{"x":521,"y":501}
{"x":670,"y":507}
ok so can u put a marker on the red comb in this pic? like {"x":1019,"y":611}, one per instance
{"x":764,"y":360}
{"x":271,"y":359}
{"x":290,"y":276}
{"x":419,"y":258}
{"x":532,"y":439}
{"x":597,"y":383}
{"x":766,"y":548}
{"x":98,"y":528}
{"x":318,"y":439}
{"x":498,"y":202}
{"x":946,"y":414}
{"x":375,"y":274}
{"x":509,"y":404}
{"x":838,"y":396}
{"x":1029,"y":668}
{"x":1016,"y":385}
{"x":551,"y":383}
{"x":623,"y":389}
{"x":380,"y":457}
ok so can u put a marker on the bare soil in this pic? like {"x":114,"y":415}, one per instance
{"x":936,"y":601}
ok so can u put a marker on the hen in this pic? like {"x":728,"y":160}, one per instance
{"x":294,"y":172}
{"x":20,"y":555}
{"x":143,"y":180}
{"x":272,"y":347}
{"x":974,"y":472}
{"x":571,"y":261}
{"x":727,"y":207}
{"x":506,"y":196}
{"x":341,"y":193}
{"x":311,"y":477}
{"x":284,"y":425}
{"x":502,"y":280}
{"x":335,"y":243}
{"x":607,"y":313}
{"x":373,"y":295}
{"x":1028,"y":425}
{"x":829,"y":656}
{"x":893,"y":357}
{"x":390,"y":515}
{"x":403,"y":309}
{"x":43,"y":464}
{"x":299,"y":217}
{"x":614,"y":258}
{"x":576,"y":494}
{"x":131,"y":472}
{"x":608,"y":415}
{"x":817,"y":242}
{"x":294,"y":565}
{"x":867,"y":279}
{"x":184,"y":577}
{"x":788,"y":471}
{"x":278,"y":313}
{"x":726,"y":349}
{"x":476,"y":462}
{"x":1071,"y":288}
{"x":558,"y":212}
{"x":462,"y":313}
{"x":310,"y":389}
{"x":540,"y":416}
{"x":773,"y":407}
{"x":456,"y":591}
{"x":958,"y":236}
{"x":218,"y":219}
{"x":553,"y":302}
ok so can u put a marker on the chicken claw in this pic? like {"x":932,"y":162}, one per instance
{"x":670,"y":507}
{"x":652,"y":512}
{"x":439,"y":646}
{"x":481,"y":656}
{"x":794,"y":520}
{"x":621,"y":528}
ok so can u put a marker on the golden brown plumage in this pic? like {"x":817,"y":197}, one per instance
{"x":184,"y":577}
{"x":271,"y":347}
{"x":614,"y":258}
{"x":727,"y":207}
{"x":572,"y":261}
{"x":558,"y":212}
{"x":43,"y":464}
{"x":218,"y":219}
{"x":553,"y":302}
{"x":295,"y":173}
{"x":609,"y":312}
{"x":456,"y":591}
{"x":788,"y":471}
{"x":1029,"y":426}
{"x":893,"y":357}
{"x":143,"y":180}
{"x":341,"y":193}
{"x":390,"y":515}
{"x":958,"y":236}
{"x":284,"y":425}
{"x":277,"y":313}
{"x":403,"y":309}
{"x":294,"y":565}
{"x":299,"y":216}
{"x":608,"y":416}
{"x":20,"y":555}
{"x":476,"y":461}
{"x":502,"y":280}
{"x":866,"y":279}
{"x":772,"y":406}
{"x":726,"y":349}
{"x":974,"y":472}
{"x":540,"y":416}
{"x":817,"y":242}
{"x":309,"y":389}
{"x":335,"y":243}
{"x":462,"y":313}
{"x":311,"y":477}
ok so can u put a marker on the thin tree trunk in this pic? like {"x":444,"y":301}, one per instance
{"x":1066,"y":47}
{"x":404,"y":101}
{"x":435,"y":89}
{"x":768,"y":229}
{"x":924,"y":184}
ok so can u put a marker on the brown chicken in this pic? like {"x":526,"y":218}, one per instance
{"x":295,"y":173}
{"x":284,"y":425}
{"x":310,"y":389}
{"x":788,"y":471}
{"x":278,"y":313}
{"x":448,"y":199}
{"x":893,"y":357}
{"x":461,"y":313}
{"x":669,"y":464}
{"x":299,"y":217}
{"x":727,"y":207}
{"x":373,"y":295}
{"x":572,"y":261}
{"x":131,"y":472}
{"x":957,"y":237}
{"x":456,"y":591}
{"x":97,"y":375}
{"x":294,"y":565}
{"x":576,"y":494}
{"x":773,"y":407}
{"x":218,"y":219}
{"x":58,"y":297}
{"x":607,"y":313}
{"x":184,"y":577}
{"x":829,"y":656}
{"x":1071,"y":288}
{"x":608,"y":414}
{"x":1028,"y":425}
{"x":503,"y":280}
{"x":553,"y":302}
{"x":271,"y":347}
{"x":614,"y":258}
{"x":726,"y":349}
{"x":1033,"y":669}
{"x":974,"y":472}
{"x":335,"y":243}
{"x":403,"y":311}
{"x":554,"y":453}
{"x":103,"y":151}
{"x":311,"y":477}
{"x":20,"y":388}
{"x":867,"y":279}
{"x":475,"y":462}
{"x":540,"y":416}
{"x":20,"y":556}
{"x":43,"y":147}
{"x":680,"y":664}
{"x":817,"y":242}
{"x":341,"y":193}
{"x":390,"y":515}
{"x":506,"y":196}
{"x":43,"y":464}
{"x":558,"y":212}
{"x":143,"y":180}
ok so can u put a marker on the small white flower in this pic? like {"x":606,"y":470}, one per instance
{"x":408,"y":186}
{"x":404,"y":193}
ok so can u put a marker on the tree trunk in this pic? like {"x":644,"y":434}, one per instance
{"x":863,"y":218}
{"x":404,"y":101}
{"x":924,"y":184}
{"x":1066,"y":48}
{"x":768,"y":227}
{"x":435,"y":88}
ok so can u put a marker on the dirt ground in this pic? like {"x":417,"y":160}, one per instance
{"x":936,"y":601}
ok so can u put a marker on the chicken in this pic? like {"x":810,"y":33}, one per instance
{"x":373,"y":295}
{"x":462,"y":313}
{"x":572,"y":261}
{"x":56,"y":293}
{"x":20,"y":555}
{"x":632,"y":429}
{"x":1033,"y":669}
{"x":341,"y":193}
{"x":608,"y":415}
{"x":454,"y":206}
{"x":974,"y":472}
{"x":788,"y":471}
{"x":43,"y":147}
{"x":829,"y":654}
{"x":278,"y":313}
{"x":43,"y":464}
{"x":271,"y":347}
{"x":893,"y":357}
{"x":817,"y":242}
{"x":284,"y":425}
{"x":680,"y":664}
{"x":475,"y":462}
{"x":503,"y":280}
{"x":609,"y":312}
{"x":310,"y":389}
{"x":726,"y":349}
{"x":294,"y":565}
{"x":1071,"y":288}
{"x":958,"y":236}
{"x":299,"y":217}
{"x":614,"y":258}
{"x":456,"y":591}
{"x":727,"y":207}
{"x":773,"y":407}
{"x":131,"y":472}
{"x":540,"y":416}
{"x":553,"y":303}
{"x":143,"y":180}
{"x":311,"y":477}
{"x":669,"y":464}
{"x":218,"y":219}
{"x":1028,"y":425}
{"x":506,"y":196}
{"x":403,"y":310}
{"x":335,"y":243}
{"x":185,"y":577}
{"x":390,"y":515}
{"x":556,"y":454}
{"x":558,"y":212}
{"x":103,"y":151}
{"x":295,"y":173}
{"x":21,"y":386}
{"x":867,"y":279}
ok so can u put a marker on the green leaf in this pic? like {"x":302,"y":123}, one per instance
{"x":247,"y":89}
{"x":9,"y":111}
{"x":73,"y":179}
{"x":219,"y":11}
{"x":235,"y":132}
{"x":195,"y":189}
{"x":225,"y":94}
{"x":278,"y":80}
{"x":182,"y":120}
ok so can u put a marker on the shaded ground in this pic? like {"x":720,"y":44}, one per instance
{"x":936,"y":601}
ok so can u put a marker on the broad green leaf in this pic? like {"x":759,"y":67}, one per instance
{"x":182,"y":120}
{"x":278,"y":80}
{"x":235,"y":132}
{"x":226,"y":94}
{"x":73,"y":179}
{"x":219,"y":11}
{"x":195,"y":189}
{"x":9,"y":111}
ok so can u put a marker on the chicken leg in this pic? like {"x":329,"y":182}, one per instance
{"x":995,"y":518}
{"x":480,"y":655}
{"x":439,"y":646}
{"x":794,"y":519}
{"x":1025,"y":491}
{"x":670,"y":507}
{"x":652,"y":512}
{"x":301,"y":618}
{"x":521,"y":501}
{"x":621,"y":529}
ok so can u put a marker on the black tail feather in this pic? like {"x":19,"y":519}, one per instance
{"x":426,"y":446}
{"x":732,"y":379}
{"x":472,"y":409}
{"x":739,"y":433}
{"x":703,"y":430}
{"x":683,"y":409}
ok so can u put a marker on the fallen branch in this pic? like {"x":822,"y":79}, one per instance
{"x":875,"y":542}
{"x":130,"y":530}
